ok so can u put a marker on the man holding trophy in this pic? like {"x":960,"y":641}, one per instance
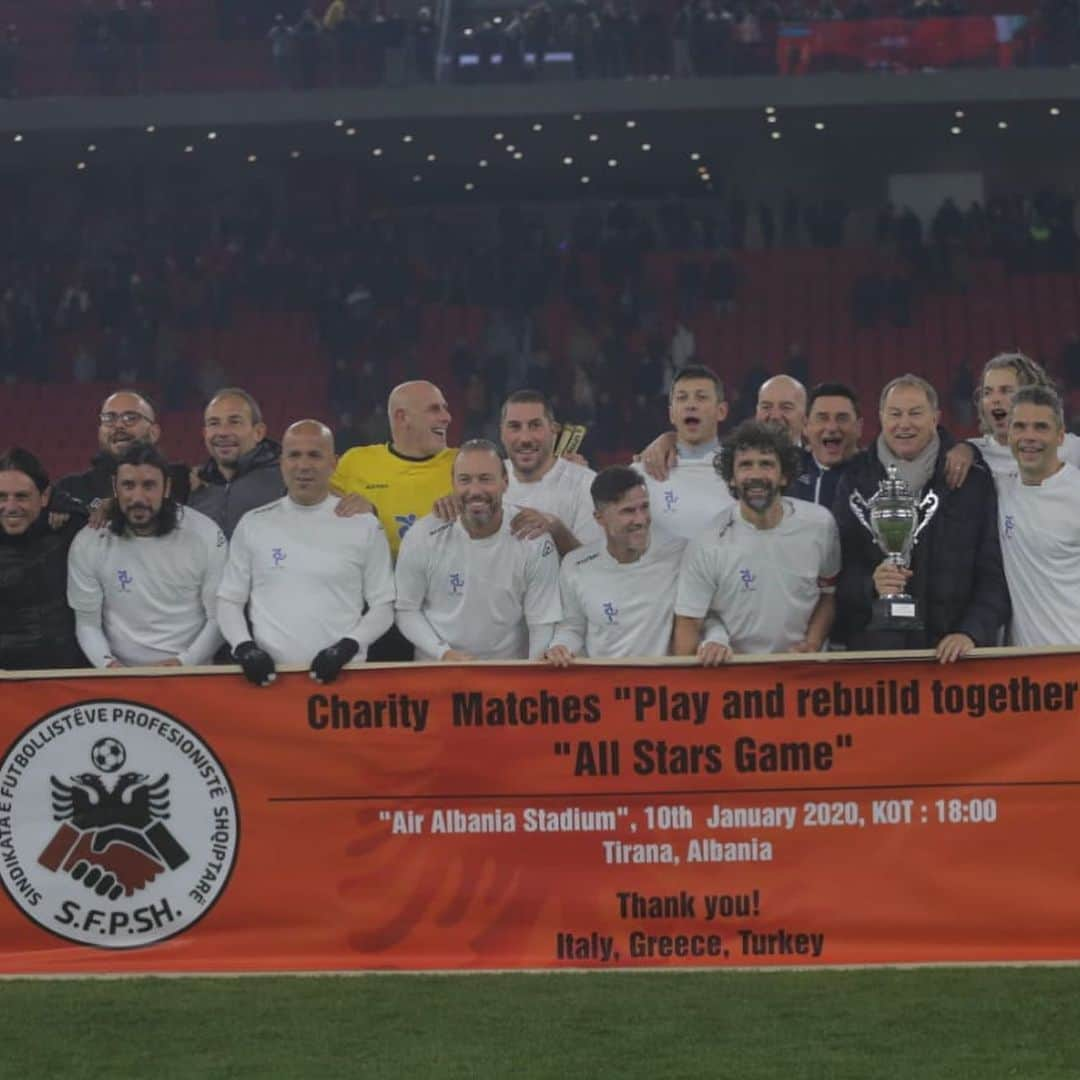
{"x":921,"y":562}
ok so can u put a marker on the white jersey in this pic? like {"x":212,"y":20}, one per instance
{"x":153,"y":596}
{"x":619,"y":609}
{"x":694,"y":497}
{"x":307,"y":575}
{"x":757,"y":588}
{"x":563,"y":491}
{"x":1000,"y":461}
{"x":475,"y":596}
{"x":1040,"y":548}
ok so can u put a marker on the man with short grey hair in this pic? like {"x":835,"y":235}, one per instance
{"x":956,"y":576}
{"x":1039,"y":518}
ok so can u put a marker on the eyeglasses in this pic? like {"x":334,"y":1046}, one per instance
{"x":128,"y":419}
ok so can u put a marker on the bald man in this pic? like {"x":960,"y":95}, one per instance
{"x":307,"y":572}
{"x":781,"y":404}
{"x":405,"y":477}
{"x":125,"y":419}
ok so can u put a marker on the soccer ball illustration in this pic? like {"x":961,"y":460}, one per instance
{"x":108,"y":755}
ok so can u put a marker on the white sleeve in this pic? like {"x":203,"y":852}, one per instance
{"x":541,"y":604}
{"x":570,"y":633}
{"x":84,"y":590}
{"x":91,"y":638}
{"x":414,"y":625}
{"x":411,"y":581}
{"x":379,"y":592}
{"x":236,"y":578}
{"x":715,"y":630}
{"x":697,"y":584}
{"x":539,"y":639}
{"x":201,"y":650}
{"x":830,"y":559}
{"x":585,"y":527}
{"x":232,"y":622}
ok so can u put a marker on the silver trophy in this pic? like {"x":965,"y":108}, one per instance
{"x":892,"y":517}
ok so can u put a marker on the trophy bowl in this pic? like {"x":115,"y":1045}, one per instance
{"x":895,"y":519}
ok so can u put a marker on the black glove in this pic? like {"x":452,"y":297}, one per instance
{"x":258,"y":664}
{"x":328,"y":664}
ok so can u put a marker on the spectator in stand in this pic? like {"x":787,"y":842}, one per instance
{"x":87,"y":24}
{"x":581,"y":31}
{"x":37,"y":628}
{"x":281,"y":50}
{"x":126,"y":420}
{"x":307,"y":44}
{"x":147,"y":37}
{"x":425,"y":37}
{"x":956,"y":574}
{"x":10,"y":47}
{"x":144,"y":590}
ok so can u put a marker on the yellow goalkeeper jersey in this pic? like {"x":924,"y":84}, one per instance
{"x":402,"y":489}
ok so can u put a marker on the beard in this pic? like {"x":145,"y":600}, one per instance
{"x":757,"y":496}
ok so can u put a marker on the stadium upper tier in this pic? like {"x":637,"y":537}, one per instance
{"x":783,"y":297}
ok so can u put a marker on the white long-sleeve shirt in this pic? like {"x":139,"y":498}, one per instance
{"x":306,"y":574}
{"x":142,"y":600}
{"x":496,"y":598}
{"x":619,"y":609}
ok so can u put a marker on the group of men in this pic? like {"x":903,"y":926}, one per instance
{"x":412,"y":549}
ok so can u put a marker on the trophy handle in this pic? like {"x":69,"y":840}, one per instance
{"x":860,"y":508}
{"x":928,"y":508}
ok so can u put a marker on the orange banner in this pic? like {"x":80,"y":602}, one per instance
{"x":810,"y":813}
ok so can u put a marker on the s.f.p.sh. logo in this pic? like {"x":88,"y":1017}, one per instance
{"x":118,"y":825}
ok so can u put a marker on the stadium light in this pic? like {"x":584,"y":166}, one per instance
{"x":631,"y":123}
{"x":646,"y":146}
{"x":211,"y":135}
{"x":432,"y":157}
{"x":406,"y":138}
{"x":593,"y":137}
{"x":538,"y":127}
{"x":819,"y":125}
{"x":612,"y":162}
{"x":351,"y":131}
{"x":1055,"y":111}
{"x":776,"y":134}
{"x":956,"y":130}
{"x":150,"y":129}
{"x":469,"y":186}
{"x":377,"y":152}
{"x":1003,"y":125}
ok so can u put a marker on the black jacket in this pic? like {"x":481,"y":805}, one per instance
{"x":79,"y":493}
{"x":257,"y":481}
{"x":958,"y":580}
{"x":815,"y":483}
{"x":37,"y":628}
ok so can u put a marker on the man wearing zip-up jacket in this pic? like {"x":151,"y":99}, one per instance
{"x":831,"y":439}
{"x":243,"y":471}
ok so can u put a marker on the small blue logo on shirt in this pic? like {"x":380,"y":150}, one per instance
{"x":610,"y":611}
{"x":278,"y":555}
{"x":404,"y":523}
{"x":1010,"y":526}
{"x":457,"y":584}
{"x":670,"y":499}
{"x":125,"y":579}
{"x":748,"y":580}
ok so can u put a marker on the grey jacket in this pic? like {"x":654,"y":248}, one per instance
{"x":256,"y":482}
